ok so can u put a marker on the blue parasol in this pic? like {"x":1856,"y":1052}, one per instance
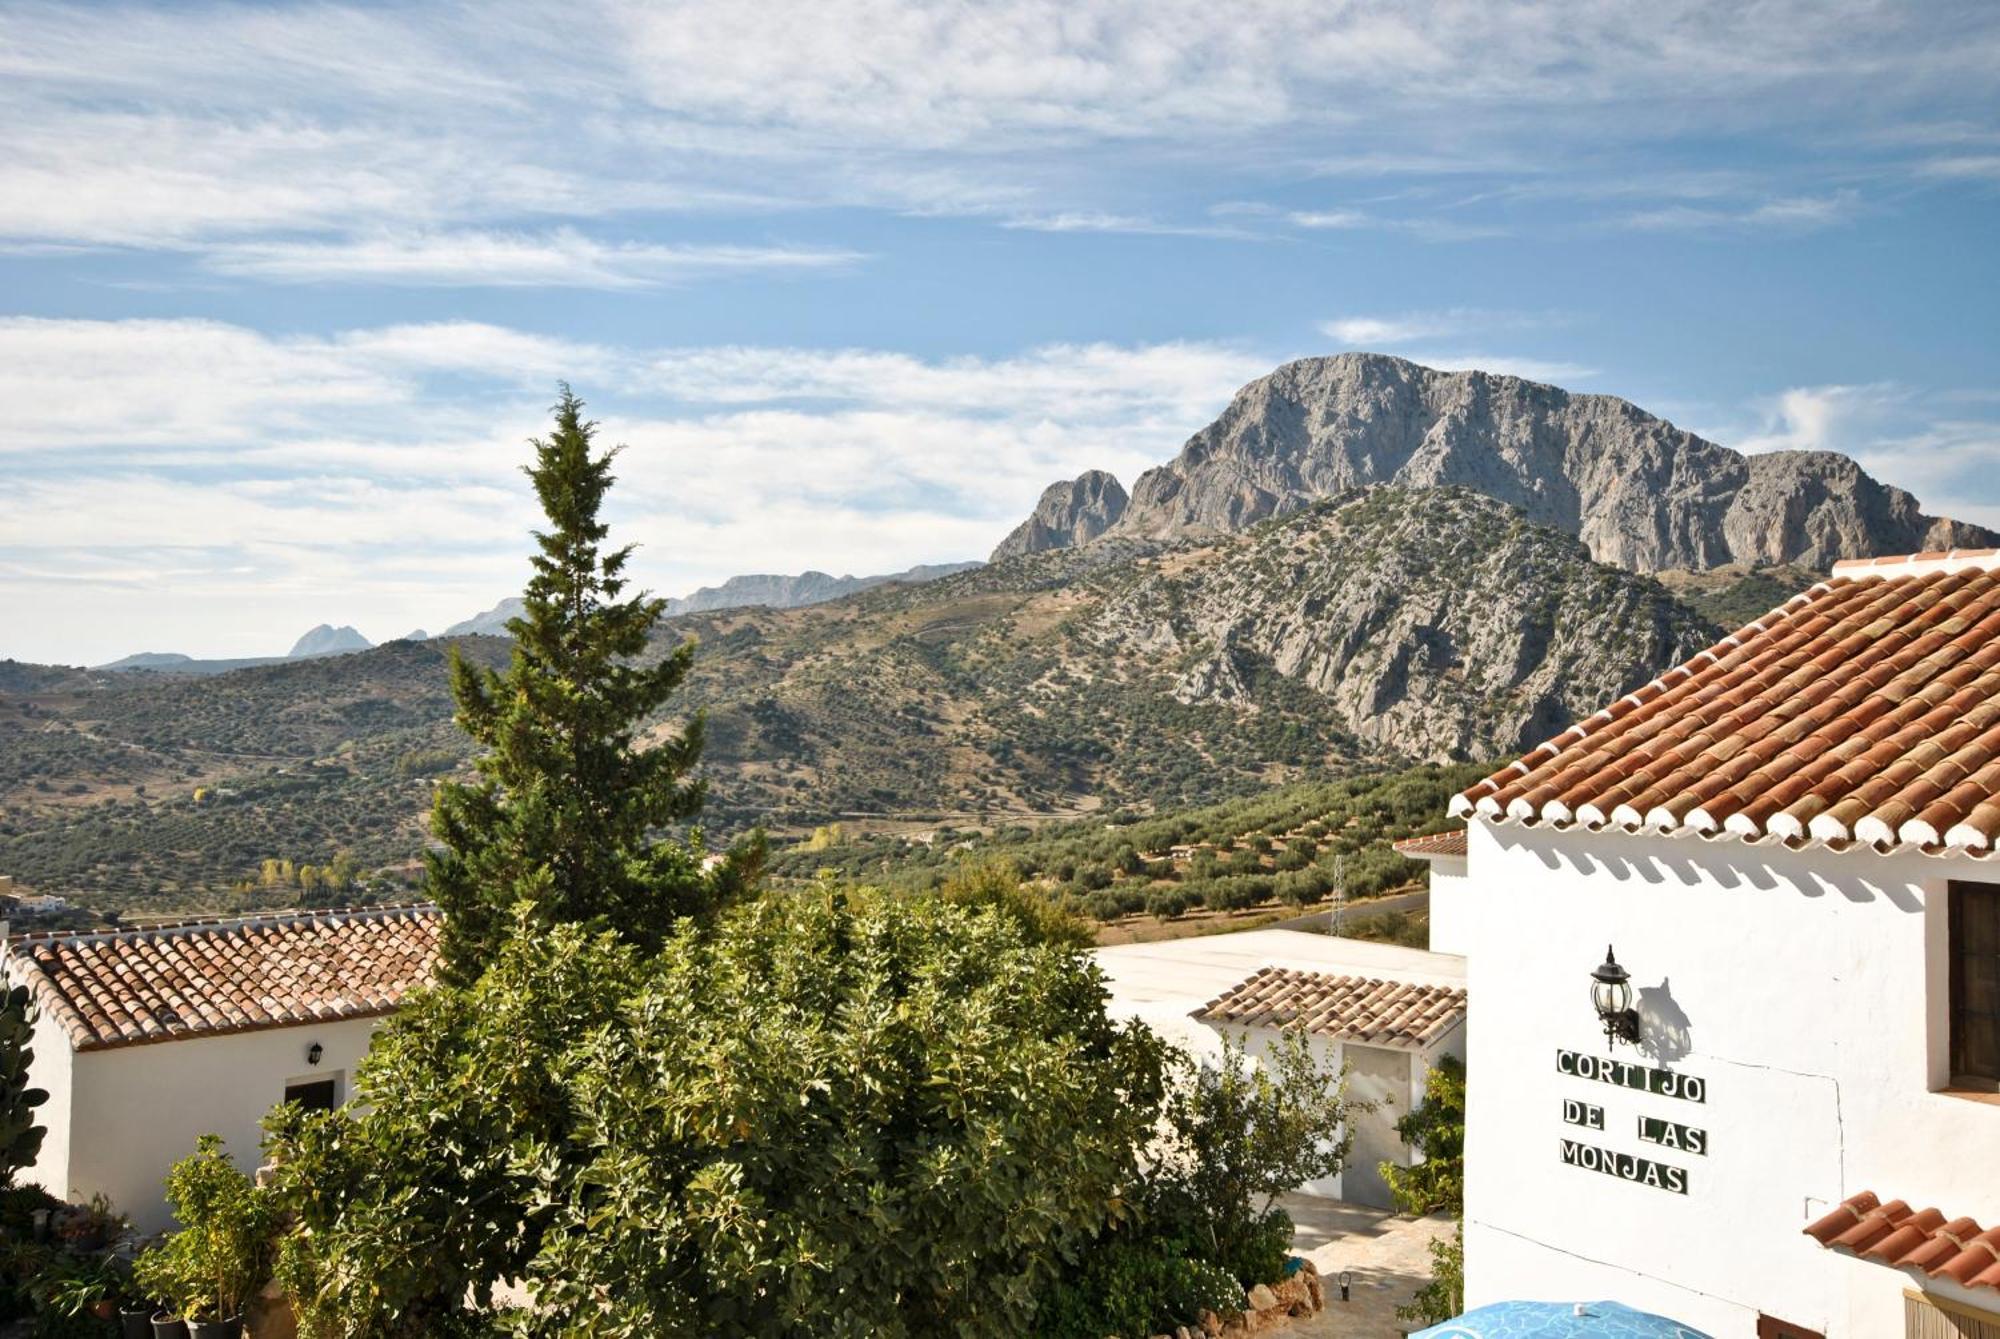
{"x":1559,"y":1320}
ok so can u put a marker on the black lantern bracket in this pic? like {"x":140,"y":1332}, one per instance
{"x":1611,"y":996}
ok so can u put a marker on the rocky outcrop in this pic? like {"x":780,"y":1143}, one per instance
{"x":1640,"y":492}
{"x":1438,"y":623}
{"x":1069,"y":514}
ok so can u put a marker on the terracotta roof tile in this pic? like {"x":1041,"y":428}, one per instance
{"x":1866,"y":709}
{"x":1922,"y":1241}
{"x":1435,"y":844}
{"x":1348,"y":1008}
{"x":161,"y":983}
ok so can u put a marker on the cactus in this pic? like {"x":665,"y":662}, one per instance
{"x":20,"y":1137}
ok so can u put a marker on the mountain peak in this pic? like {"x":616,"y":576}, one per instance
{"x":1638,"y":491}
{"x":327,"y":640}
{"x":1069,"y":513}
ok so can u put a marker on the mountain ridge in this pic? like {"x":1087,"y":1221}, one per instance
{"x":1641,"y":493}
{"x":770,"y":590}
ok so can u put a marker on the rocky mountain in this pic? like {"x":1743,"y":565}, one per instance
{"x":1436,"y":623}
{"x":1069,"y":514}
{"x":1640,"y":492}
{"x":327,"y":640}
{"x":773,"y":592}
{"x":1379,"y":626}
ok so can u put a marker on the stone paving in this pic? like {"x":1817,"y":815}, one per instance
{"x":1385,"y":1255}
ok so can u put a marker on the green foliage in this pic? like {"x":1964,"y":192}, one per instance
{"x":1239,"y":1136}
{"x":807,"y":1119}
{"x":567,"y":810}
{"x":20,"y":1135}
{"x":997,"y":884}
{"x":1443,"y":1297}
{"x":218,"y":1258}
{"x":1136,"y":1285}
{"x":1436,"y":1129}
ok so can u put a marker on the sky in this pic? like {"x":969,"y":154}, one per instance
{"x":285,"y":288}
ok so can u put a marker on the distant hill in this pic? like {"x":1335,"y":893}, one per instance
{"x":771,"y":592}
{"x":327,"y":640}
{"x":1380,"y":627}
{"x":324,"y":640}
{"x":1641,"y":493}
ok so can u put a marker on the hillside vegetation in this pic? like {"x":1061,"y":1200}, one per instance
{"x":1372,"y":630}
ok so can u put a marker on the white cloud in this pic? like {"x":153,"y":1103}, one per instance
{"x":1793,"y":213}
{"x":563,"y":258}
{"x":248,"y":481}
{"x":1086,"y":221}
{"x":1329,"y":218}
{"x":1403,"y":328}
{"x":144,"y":125}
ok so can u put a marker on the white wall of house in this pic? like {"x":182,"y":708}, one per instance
{"x":1450,"y":905}
{"x":1806,"y":990}
{"x":127,"y":1114}
{"x":51,"y":1070}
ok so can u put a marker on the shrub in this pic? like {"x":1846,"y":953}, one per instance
{"x":892,"y":1120}
{"x":1167,"y":903}
{"x":20,"y":1136}
{"x":207,"y":1269}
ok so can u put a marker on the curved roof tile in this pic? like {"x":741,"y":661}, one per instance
{"x":1866,"y":709}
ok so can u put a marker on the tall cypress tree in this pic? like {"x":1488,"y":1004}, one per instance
{"x":570,"y":813}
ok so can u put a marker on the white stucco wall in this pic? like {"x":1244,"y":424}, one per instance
{"x":1450,"y":906}
{"x":1808,"y":990}
{"x":51,"y":1070}
{"x":134,"y":1111}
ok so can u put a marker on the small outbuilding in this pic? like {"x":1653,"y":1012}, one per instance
{"x":1385,"y":1012}
{"x":148,"y":1038}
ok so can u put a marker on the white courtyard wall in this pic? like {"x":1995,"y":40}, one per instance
{"x":136,"y":1110}
{"x":1805,"y":989}
{"x":53,"y":1071}
{"x":1451,"y":907}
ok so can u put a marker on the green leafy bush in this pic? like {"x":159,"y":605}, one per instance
{"x":20,"y":1135}
{"x":211,"y":1266}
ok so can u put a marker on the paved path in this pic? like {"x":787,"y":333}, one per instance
{"x":1385,"y":1255}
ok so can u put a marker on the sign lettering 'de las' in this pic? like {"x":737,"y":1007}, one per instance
{"x":1643,"y":1078}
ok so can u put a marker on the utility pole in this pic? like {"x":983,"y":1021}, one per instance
{"x":1339,"y":889}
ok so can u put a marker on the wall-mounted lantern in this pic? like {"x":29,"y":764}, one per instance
{"x":314,"y":1052}
{"x":1611,"y":994}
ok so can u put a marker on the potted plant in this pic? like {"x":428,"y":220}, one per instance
{"x":85,"y":1285}
{"x":207,"y":1269}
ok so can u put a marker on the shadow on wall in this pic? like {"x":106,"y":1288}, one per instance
{"x":1725,"y":861}
{"x":1664,"y":1030}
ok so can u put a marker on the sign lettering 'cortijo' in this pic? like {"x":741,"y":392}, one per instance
{"x":1652,"y":1130}
{"x":1644,"y":1078}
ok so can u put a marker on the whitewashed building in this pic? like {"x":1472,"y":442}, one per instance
{"x":146,"y":1039}
{"x":1387,"y":1013}
{"x":1786,"y":1123}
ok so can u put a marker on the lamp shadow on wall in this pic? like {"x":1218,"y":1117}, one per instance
{"x":1664,"y":1030}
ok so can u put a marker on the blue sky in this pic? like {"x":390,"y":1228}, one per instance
{"x":283,"y":288}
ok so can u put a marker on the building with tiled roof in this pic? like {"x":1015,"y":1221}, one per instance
{"x":1445,"y":853}
{"x":1787,"y":844}
{"x":148,"y":1037}
{"x":1386,"y":1013}
{"x":1375,"y":1011}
